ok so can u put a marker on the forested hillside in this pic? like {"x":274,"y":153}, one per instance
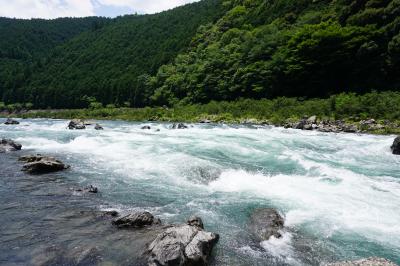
{"x":24,"y":44}
{"x":304,"y":48}
{"x":213,"y":50}
{"x":106,"y":63}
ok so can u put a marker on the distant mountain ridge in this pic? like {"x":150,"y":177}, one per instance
{"x":209,"y":50}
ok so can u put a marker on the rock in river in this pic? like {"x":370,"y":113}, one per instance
{"x":396,"y":146}
{"x":11,"y":121}
{"x":76,"y":124}
{"x":136,"y":220}
{"x":179,"y":126}
{"x":182,"y":245}
{"x":89,"y":189}
{"x":38,"y":164}
{"x":98,"y":127}
{"x":364,"y":262}
{"x":265,"y":223}
{"x":7,"y":145}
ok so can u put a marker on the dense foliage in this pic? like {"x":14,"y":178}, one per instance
{"x":266,"y":49}
{"x":24,"y":46}
{"x":213,"y":50}
{"x":105,"y":63}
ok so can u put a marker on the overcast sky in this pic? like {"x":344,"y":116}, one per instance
{"x":83,"y":8}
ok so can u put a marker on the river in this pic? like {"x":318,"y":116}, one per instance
{"x":339,"y":193}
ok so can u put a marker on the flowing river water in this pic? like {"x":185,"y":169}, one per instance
{"x":339,"y":193}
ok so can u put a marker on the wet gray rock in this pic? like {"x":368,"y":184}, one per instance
{"x":195,"y":221}
{"x":89,"y":189}
{"x":11,"y":121}
{"x":98,"y":127}
{"x":136,"y":220}
{"x":182,"y":245}
{"x":265,"y":223}
{"x":396,"y":146}
{"x":374,"y":261}
{"x":76,"y":124}
{"x":146,"y":128}
{"x":179,"y":126}
{"x":38,"y":164}
{"x":7,"y":145}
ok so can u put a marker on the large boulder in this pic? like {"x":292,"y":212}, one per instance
{"x":182,"y":245}
{"x":364,"y":262}
{"x":136,"y":220}
{"x":7,"y":145}
{"x":76,"y":124}
{"x":396,"y":146}
{"x":11,"y":121}
{"x":38,"y":164}
{"x":265,"y":223}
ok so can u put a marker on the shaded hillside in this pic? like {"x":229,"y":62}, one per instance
{"x":107,"y":62}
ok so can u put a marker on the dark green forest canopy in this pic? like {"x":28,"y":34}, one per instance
{"x":105,"y":63}
{"x":210,"y":50}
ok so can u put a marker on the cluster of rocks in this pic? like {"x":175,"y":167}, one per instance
{"x":7,"y":145}
{"x":79,"y":124}
{"x":335,"y":126}
{"x":312,"y":123}
{"x":11,"y":121}
{"x":179,"y":126}
{"x":38,"y":164}
{"x":183,"y":244}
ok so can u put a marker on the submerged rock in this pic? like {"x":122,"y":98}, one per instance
{"x":136,"y":220}
{"x":98,"y":127}
{"x":182,"y":245}
{"x":89,"y":189}
{"x":265,"y":223}
{"x":179,"y":126}
{"x":146,"y":127}
{"x":76,"y":124}
{"x":7,"y":145}
{"x":374,"y":261}
{"x":11,"y":121}
{"x":396,"y":146}
{"x":38,"y":164}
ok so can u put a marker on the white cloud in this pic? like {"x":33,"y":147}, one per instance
{"x":146,"y":6}
{"x":46,"y":8}
{"x":79,"y":8}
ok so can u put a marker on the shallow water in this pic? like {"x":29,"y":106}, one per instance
{"x":339,"y":193}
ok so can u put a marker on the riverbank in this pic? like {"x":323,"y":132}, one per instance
{"x":321,"y":123}
{"x":373,"y":112}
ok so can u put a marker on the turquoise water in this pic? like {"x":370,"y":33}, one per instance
{"x":339,"y":193}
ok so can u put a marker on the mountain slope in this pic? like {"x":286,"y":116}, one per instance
{"x":24,"y":45}
{"x":106,"y":63}
{"x":265,"y":49}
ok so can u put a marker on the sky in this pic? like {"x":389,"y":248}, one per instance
{"x":82,"y":8}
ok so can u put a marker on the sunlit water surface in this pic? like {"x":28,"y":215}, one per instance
{"x":339,"y":193}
